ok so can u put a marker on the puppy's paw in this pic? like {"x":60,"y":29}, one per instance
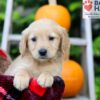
{"x":21,"y":82}
{"x":45,"y":80}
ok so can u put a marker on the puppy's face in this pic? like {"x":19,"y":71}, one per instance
{"x":43,"y":44}
{"x":43,"y":39}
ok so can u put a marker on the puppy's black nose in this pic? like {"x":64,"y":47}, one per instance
{"x":42,"y":52}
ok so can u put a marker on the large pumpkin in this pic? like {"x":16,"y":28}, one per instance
{"x":57,"y":13}
{"x":73,"y":77}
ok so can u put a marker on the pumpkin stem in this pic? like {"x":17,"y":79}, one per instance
{"x":52,"y":2}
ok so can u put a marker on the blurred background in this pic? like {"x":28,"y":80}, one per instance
{"x":23,"y":14}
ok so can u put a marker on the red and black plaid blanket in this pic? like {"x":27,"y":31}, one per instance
{"x":8,"y":92}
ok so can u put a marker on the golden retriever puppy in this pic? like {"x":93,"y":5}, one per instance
{"x":43,"y":48}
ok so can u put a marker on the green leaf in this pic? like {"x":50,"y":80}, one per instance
{"x":75,"y":51}
{"x":2,"y":15}
{"x":96,"y":46}
{"x":16,"y":15}
{"x":74,"y":6}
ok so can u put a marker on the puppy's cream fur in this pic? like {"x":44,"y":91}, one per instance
{"x":29,"y":64}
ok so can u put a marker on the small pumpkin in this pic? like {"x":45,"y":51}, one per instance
{"x":73,"y":76}
{"x":57,"y":13}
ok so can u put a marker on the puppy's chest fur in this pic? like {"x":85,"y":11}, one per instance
{"x":34,"y":68}
{"x":53,"y":69}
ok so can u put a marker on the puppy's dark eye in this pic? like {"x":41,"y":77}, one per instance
{"x":34,"y":39}
{"x":51,"y":38}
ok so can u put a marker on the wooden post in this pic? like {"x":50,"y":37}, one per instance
{"x":89,"y":59}
{"x":7,"y":25}
{"x":52,"y":2}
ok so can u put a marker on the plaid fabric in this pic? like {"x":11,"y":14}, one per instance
{"x":8,"y":92}
{"x":4,"y":61}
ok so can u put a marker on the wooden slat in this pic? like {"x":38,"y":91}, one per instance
{"x":74,"y":41}
{"x":77,"y":98}
{"x":78,"y":41}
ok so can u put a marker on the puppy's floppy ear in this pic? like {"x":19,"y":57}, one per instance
{"x":65,"y":43}
{"x":23,"y":42}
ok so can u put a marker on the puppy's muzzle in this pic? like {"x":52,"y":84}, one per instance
{"x":43,"y":52}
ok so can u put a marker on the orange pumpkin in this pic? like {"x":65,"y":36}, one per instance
{"x":57,"y":13}
{"x":73,"y":77}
